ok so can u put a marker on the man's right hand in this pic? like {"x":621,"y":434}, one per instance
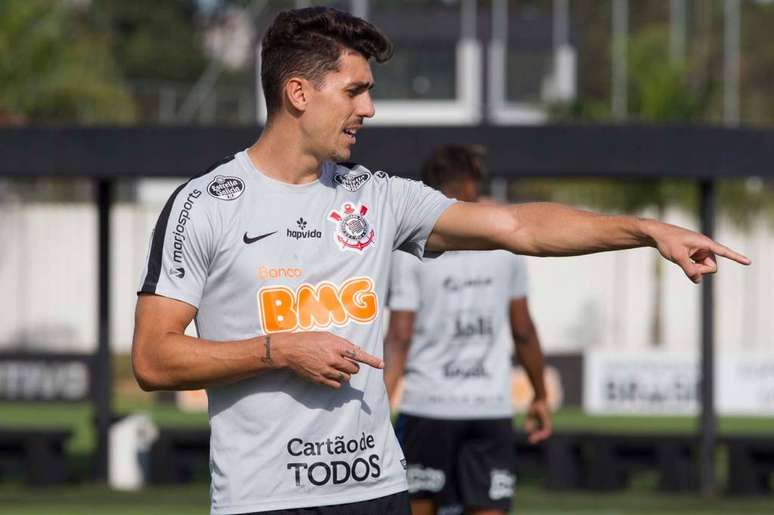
{"x":320,"y":357}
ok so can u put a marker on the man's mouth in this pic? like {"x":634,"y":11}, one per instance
{"x":350,"y":133}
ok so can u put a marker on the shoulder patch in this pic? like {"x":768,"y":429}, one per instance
{"x":381,"y":175}
{"x":353,"y":180}
{"x":226,"y":187}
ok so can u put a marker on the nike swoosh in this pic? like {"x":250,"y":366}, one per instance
{"x":250,"y":240}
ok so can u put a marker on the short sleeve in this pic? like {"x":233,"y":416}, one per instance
{"x":404,"y":282}
{"x":416,"y":208}
{"x":518,"y":287}
{"x":181,"y":248}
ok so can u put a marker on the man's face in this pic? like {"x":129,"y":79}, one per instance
{"x":336,"y":111}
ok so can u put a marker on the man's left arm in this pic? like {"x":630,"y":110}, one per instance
{"x":530,"y":357}
{"x":548,"y":229}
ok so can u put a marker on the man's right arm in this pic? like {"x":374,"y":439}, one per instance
{"x":164,"y":358}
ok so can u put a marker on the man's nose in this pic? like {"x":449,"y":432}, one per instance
{"x":366,"y":107}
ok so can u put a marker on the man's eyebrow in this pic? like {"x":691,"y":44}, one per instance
{"x":361,"y":86}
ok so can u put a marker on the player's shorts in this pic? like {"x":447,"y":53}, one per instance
{"x":452,"y":462}
{"x":395,"y":504}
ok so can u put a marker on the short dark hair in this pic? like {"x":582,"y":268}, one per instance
{"x":308,"y":42}
{"x":452,"y":163}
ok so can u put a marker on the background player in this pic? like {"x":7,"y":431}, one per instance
{"x":450,"y":329}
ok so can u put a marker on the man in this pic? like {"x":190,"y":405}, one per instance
{"x":281,"y":257}
{"x":451,"y":323}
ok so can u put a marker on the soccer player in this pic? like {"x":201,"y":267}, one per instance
{"x":451,"y":322}
{"x":280,"y":254}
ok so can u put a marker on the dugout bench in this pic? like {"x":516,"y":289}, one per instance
{"x":604,"y":462}
{"x":180,"y":455}
{"x":750,"y":464}
{"x":39,"y":454}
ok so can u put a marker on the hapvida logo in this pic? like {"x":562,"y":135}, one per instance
{"x":302,"y":233}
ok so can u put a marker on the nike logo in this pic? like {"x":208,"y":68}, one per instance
{"x":248,"y":240}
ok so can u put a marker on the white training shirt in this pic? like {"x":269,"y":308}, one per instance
{"x":257,"y":256}
{"x":459,"y":361}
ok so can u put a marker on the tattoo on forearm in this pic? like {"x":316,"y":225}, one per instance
{"x":267,"y":347}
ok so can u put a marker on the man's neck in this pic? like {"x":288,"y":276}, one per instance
{"x":279,"y":154}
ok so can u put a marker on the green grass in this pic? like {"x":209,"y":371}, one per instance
{"x":530,"y":500}
{"x":574,"y":419}
{"x":92,"y":499}
{"x":534,"y":500}
{"x":78,"y":417}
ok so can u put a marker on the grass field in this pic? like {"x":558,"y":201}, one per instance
{"x":78,"y":417}
{"x":530,"y":500}
{"x":87,"y":498}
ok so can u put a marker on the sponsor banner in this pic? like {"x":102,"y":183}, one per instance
{"x":668,"y":383}
{"x":745,"y":384}
{"x":663,"y":383}
{"x":45,"y":377}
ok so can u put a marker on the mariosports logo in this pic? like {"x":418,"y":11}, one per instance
{"x":353,"y":232}
{"x":302,"y":233}
{"x":179,"y":229}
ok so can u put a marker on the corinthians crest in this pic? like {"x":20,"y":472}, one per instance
{"x":353,"y":231}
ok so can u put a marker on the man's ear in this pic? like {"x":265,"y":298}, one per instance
{"x":297,"y":92}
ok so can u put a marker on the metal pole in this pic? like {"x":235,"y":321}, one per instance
{"x":561,"y":24}
{"x":619,"y":79}
{"x":731,"y":62}
{"x":103,"y":376}
{"x":677,"y":18}
{"x":708,"y":428}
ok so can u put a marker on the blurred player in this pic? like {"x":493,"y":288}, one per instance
{"x":281,"y":255}
{"x":450,"y":331}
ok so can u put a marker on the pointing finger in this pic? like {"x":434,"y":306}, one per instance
{"x":722,"y":250}
{"x":358,"y":354}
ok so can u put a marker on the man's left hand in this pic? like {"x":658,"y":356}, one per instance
{"x":538,"y":421}
{"x":693,"y":252}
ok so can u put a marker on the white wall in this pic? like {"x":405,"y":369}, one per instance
{"x":48,"y":274}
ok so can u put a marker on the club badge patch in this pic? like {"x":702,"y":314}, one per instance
{"x":353,"y":232}
{"x":352,"y":181}
{"x":226,"y":187}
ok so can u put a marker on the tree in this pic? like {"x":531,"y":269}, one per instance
{"x":152,"y":39}
{"x":54,"y":68}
